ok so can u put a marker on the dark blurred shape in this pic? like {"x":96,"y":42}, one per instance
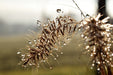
{"x":102,"y":8}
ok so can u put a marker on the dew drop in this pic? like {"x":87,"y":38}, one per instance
{"x":79,"y":45}
{"x":34,"y":40}
{"x":91,"y":55}
{"x":29,"y":42}
{"x":37,"y":47}
{"x":30,"y":64}
{"x":103,"y":62}
{"x":79,"y":29}
{"x":24,"y":66}
{"x":54,"y":58}
{"x":82,"y":35}
{"x":28,"y":55}
{"x":94,"y":53}
{"x":50,"y":53}
{"x":64,"y":44}
{"x":23,"y":59}
{"x":61,"y":52}
{"x":112,"y":54}
{"x":18,"y":52}
{"x":93,"y":64}
{"x":98,"y":62}
{"x":110,"y":59}
{"x":57,"y":55}
{"x":51,"y":68}
{"x":105,"y":49}
{"x":104,"y":55}
{"x":98,"y":69}
{"x":38,"y":22}
{"x":39,"y":54}
{"x":107,"y":53}
{"x":112,"y":41}
{"x":107,"y":30}
{"x":29,"y":48}
{"x":111,"y":65}
{"x":107,"y":35}
{"x":38,"y":65}
{"x":107,"y":61}
{"x":93,"y":61}
{"x":88,"y":50}
{"x":87,"y":15}
{"x":87,"y":47}
{"x":44,"y":61}
{"x":68,"y":38}
{"x":56,"y":49}
{"x":91,"y":67}
{"x":58,"y":10}
{"x":46,"y":58}
{"x":23,"y":55}
{"x":85,"y":37}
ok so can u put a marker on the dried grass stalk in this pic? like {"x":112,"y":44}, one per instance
{"x":54,"y":34}
{"x":97,"y":35}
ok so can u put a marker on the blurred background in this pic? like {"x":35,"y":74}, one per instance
{"x":18,"y":17}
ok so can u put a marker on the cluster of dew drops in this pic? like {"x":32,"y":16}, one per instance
{"x":42,"y":61}
{"x":106,"y":58}
{"x":31,"y":43}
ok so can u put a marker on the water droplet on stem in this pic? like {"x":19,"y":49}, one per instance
{"x":58,"y":10}
{"x":18,"y":52}
{"x":51,"y":68}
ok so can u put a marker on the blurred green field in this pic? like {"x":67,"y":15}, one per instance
{"x":56,"y":71}
{"x":72,"y":62}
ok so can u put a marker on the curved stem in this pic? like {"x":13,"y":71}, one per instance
{"x":78,"y":7}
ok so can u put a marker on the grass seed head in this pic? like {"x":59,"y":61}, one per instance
{"x":98,"y":37}
{"x":53,"y":35}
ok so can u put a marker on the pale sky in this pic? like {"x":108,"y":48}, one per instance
{"x":28,"y":11}
{"x":110,"y":7}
